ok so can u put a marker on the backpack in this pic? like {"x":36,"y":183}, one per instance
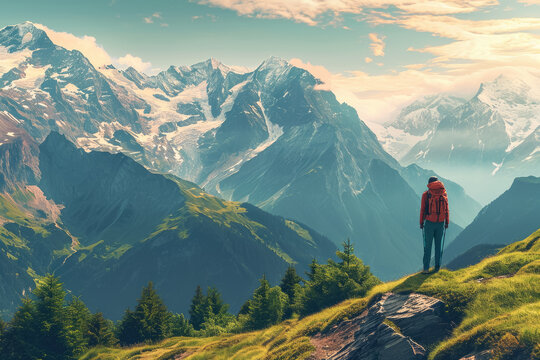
{"x":436,"y":204}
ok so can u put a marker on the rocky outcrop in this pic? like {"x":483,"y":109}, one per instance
{"x":396,"y":326}
{"x":484,"y":355}
{"x":18,"y":156}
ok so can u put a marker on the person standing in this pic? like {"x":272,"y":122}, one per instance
{"x":434,"y":219}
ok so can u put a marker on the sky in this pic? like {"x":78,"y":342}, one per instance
{"x":376,"y":55}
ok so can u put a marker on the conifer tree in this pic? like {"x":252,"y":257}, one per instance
{"x":78,"y":317}
{"x":348,"y":252}
{"x":153,"y":316}
{"x":150,"y":321}
{"x":18,"y":341}
{"x":99,"y":331}
{"x":216,"y":307}
{"x":312,"y":269}
{"x":180,"y":326}
{"x":197,"y":310}
{"x":129,"y":331}
{"x":53,"y":337}
{"x":335,"y":282}
{"x":266,"y":307}
{"x":290,"y":285}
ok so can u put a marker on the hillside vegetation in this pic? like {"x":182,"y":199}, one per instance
{"x":494,"y":304}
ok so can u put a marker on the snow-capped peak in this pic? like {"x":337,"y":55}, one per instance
{"x":517,"y":101}
{"x":424,"y":114}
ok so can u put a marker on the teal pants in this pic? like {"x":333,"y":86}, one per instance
{"x":433,"y":231}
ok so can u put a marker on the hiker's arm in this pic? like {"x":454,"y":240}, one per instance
{"x":422,"y":209}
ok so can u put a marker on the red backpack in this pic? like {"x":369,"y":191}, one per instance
{"x":436,"y":205}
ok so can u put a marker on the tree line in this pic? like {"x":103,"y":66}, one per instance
{"x":49,"y":326}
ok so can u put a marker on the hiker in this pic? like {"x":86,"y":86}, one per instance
{"x":434,"y":219}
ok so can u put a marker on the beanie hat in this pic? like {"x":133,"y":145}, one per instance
{"x":432,"y":179}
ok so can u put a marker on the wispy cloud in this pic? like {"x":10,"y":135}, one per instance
{"x":85,"y":44}
{"x":368,"y":59}
{"x":150,"y":19}
{"x":310,"y":12}
{"x":135,"y":62}
{"x":379,"y":98}
{"x":94,"y":52}
{"x":377,"y":44}
{"x":210,"y":17}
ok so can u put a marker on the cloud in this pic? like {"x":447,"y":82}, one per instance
{"x":454,"y":28}
{"x":377,"y":44}
{"x":320,"y":72}
{"x":211,"y":17}
{"x":150,"y":19}
{"x":311,"y":12}
{"x":368,"y":59}
{"x":94,"y":52}
{"x":85,"y":44}
{"x":135,"y":62}
{"x":379,"y":98}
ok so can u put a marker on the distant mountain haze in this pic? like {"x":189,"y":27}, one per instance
{"x":508,"y":218}
{"x":482,"y":143}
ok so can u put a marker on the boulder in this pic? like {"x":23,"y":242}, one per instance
{"x":395,"y":326}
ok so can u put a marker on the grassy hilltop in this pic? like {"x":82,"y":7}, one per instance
{"x":495,"y":304}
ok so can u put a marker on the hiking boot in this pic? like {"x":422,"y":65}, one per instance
{"x":425,"y":272}
{"x":437,"y":269}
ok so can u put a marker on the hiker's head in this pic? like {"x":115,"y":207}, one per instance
{"x":432,"y":179}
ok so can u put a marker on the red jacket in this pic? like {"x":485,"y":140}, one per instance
{"x":435,"y":188}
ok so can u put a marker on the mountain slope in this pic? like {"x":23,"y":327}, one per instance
{"x":509,"y":217}
{"x":490,"y":305}
{"x":128,"y":226}
{"x":415,"y":123}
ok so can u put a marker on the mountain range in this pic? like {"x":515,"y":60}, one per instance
{"x":489,"y":139}
{"x":270,"y":137}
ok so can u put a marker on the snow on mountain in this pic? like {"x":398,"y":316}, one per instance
{"x":414,"y":123}
{"x":517,"y":102}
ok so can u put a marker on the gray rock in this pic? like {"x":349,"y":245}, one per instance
{"x":395,"y":327}
{"x":484,"y":355}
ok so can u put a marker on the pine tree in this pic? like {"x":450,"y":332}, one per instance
{"x":153,"y":315}
{"x":312,"y":269}
{"x":266,"y":307}
{"x":197,"y":310}
{"x":78,"y":318}
{"x":289,"y":281}
{"x":334,"y":282}
{"x":290,"y":285}
{"x":180,"y":326}
{"x":52,"y":320}
{"x":99,"y":331}
{"x":19,"y":339}
{"x":215,"y":307}
{"x":348,"y":252}
{"x":129,"y":331}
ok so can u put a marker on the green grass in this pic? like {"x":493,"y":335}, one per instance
{"x":493,"y":301}
{"x":11,"y":212}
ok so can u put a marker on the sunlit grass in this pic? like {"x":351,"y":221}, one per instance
{"x":498,"y":296}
